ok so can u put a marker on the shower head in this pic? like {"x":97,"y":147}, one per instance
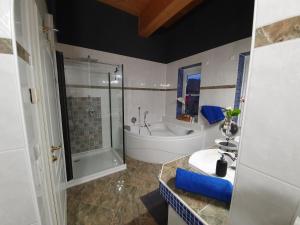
{"x":116,"y":70}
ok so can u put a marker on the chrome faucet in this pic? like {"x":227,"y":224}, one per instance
{"x":139,"y":108}
{"x":145,"y":122}
{"x":145,"y":116}
{"x":233,"y":158}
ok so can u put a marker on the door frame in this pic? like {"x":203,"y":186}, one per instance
{"x":38,"y":71}
{"x":64,"y":113}
{"x":47,"y":190}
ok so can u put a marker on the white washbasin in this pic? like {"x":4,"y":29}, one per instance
{"x":205,"y":162}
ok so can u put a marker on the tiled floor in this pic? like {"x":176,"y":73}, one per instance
{"x":115,"y":199}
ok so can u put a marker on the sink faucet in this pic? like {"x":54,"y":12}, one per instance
{"x":233,"y":158}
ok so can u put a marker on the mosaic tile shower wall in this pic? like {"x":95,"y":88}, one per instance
{"x":85,"y":123}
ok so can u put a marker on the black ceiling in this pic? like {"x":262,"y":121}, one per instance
{"x":91,"y":24}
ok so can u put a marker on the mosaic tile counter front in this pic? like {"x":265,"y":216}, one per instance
{"x":85,"y":123}
{"x":193,"y":209}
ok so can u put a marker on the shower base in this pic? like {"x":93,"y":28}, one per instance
{"x":95,"y":164}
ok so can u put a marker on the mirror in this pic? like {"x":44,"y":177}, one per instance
{"x":188,"y":93}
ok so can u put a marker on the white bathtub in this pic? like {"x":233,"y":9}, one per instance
{"x":167,"y":142}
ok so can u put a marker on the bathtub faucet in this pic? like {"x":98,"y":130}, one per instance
{"x":145,"y":116}
{"x":145,"y":122}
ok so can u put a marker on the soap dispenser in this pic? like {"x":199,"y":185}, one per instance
{"x":221,"y":167}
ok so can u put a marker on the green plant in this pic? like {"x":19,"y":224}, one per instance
{"x":232,"y":113}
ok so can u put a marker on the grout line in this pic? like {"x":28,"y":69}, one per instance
{"x":270,"y":176}
{"x":11,"y":150}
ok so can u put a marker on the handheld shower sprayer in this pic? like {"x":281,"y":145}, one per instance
{"x":145,"y":115}
{"x":139,"y":109}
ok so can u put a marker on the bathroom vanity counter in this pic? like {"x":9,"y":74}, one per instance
{"x":192,"y":208}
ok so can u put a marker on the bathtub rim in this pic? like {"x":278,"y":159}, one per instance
{"x":196,"y":133}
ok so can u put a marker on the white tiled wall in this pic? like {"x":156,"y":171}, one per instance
{"x":17,"y":197}
{"x":262,"y":199}
{"x":267,"y":183}
{"x":137,"y":73}
{"x":272,"y":11}
{"x":80,"y":75}
{"x":273,"y":89}
{"x":16,"y":201}
{"x":219,"y":67}
{"x":12,"y":137}
{"x":153,"y":101}
{"x":5,"y":18}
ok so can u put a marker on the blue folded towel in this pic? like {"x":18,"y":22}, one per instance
{"x":213,"y":114}
{"x":212,"y":187}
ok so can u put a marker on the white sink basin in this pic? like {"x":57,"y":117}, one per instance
{"x":205,"y":162}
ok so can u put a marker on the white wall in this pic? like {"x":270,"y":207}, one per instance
{"x":267,"y":189}
{"x":18,"y":204}
{"x":219,"y":67}
{"x":138,"y":73}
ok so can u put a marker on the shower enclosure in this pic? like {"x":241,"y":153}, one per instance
{"x":94,"y":113}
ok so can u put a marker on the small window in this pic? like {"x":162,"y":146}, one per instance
{"x":188,"y":93}
{"x":241,"y":83}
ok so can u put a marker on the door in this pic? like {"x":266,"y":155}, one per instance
{"x":52,"y":123}
{"x":35,"y":76}
{"x":57,"y":162}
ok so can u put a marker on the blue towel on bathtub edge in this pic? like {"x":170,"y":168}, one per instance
{"x":212,"y":187}
{"x":212,"y":114}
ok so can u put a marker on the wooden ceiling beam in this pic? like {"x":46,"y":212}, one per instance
{"x":158,"y":12}
{"x":182,"y":13}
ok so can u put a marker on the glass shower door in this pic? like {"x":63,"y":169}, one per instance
{"x":94,"y":96}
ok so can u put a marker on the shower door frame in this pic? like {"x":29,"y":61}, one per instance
{"x":69,"y":166}
{"x":123,"y":117}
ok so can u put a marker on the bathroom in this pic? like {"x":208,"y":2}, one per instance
{"x":104,"y":112}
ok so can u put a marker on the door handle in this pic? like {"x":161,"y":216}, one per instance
{"x":55,"y":148}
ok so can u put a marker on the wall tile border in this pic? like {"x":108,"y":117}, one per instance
{"x":218,"y":87}
{"x":125,"y":88}
{"x":280,"y":31}
{"x":22,"y":53}
{"x":147,"y":89}
{"x":6,"y":46}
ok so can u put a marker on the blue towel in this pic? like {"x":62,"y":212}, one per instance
{"x":212,"y":187}
{"x":213,"y":114}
